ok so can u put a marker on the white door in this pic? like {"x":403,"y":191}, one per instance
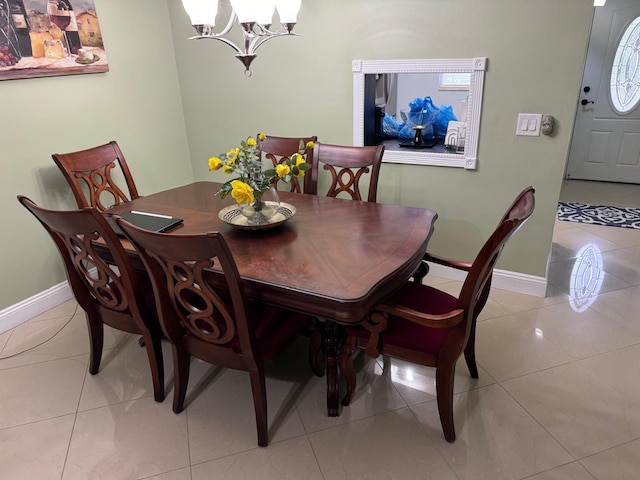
{"x":606,"y":137}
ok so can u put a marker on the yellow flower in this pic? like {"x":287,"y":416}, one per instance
{"x":215,"y":163}
{"x":241,"y":192}
{"x":299,"y":160}
{"x":251,"y":142}
{"x":232,"y":154}
{"x":310,"y":144}
{"x":228,"y":168}
{"x":262,"y":136}
{"x":283,"y":170}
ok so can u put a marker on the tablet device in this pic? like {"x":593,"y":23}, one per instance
{"x":149,"y":221}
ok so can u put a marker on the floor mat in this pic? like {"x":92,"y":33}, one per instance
{"x":599,"y":215}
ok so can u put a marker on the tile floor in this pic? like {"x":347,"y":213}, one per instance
{"x":558,"y":395}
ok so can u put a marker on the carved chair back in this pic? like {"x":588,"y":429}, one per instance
{"x":90,"y":174}
{"x":347,"y":165}
{"x":279,"y":149}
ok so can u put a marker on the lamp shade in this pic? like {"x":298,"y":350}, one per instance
{"x":246,"y":10}
{"x":265,"y":11}
{"x":201,"y":12}
{"x":288,"y":10}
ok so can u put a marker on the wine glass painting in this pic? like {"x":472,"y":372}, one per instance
{"x":44,"y":38}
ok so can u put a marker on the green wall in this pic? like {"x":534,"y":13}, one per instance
{"x":137,"y":103}
{"x":303,"y":86}
{"x":164,"y":109}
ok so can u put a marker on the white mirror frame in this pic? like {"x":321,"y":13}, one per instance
{"x":475,"y":66}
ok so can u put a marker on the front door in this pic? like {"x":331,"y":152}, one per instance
{"x":606,"y":137}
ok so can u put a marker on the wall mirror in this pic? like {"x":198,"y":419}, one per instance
{"x":455,"y":82}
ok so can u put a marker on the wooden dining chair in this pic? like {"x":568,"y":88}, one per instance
{"x":206,"y":315}
{"x":109,"y":292}
{"x":279,"y":149}
{"x":346,"y":165}
{"x":427,"y":326}
{"x":90,"y":174}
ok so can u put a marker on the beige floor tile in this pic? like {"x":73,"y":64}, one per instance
{"x":4,"y":338}
{"x":181,"y":474}
{"x":374,"y":395}
{"x":621,"y":306}
{"x":618,"y":463}
{"x":581,"y":281}
{"x":392,"y":445}
{"x":496,"y":438}
{"x":589,"y":405}
{"x":58,"y":339}
{"x":35,"y":450}
{"x":292,"y":459}
{"x":38,"y":392}
{"x":221,"y":417}
{"x":417,"y":384}
{"x":130,"y":440}
{"x":510,"y":346}
{"x":124,"y":375}
{"x":570,"y":471}
{"x":624,"y":264}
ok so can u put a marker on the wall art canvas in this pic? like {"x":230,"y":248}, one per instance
{"x":45,"y":38}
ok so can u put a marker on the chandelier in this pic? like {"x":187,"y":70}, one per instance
{"x":255,"y":18}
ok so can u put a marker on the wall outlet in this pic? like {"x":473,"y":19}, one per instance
{"x":529,"y":124}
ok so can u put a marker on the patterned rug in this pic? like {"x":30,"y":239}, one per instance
{"x":599,"y":215}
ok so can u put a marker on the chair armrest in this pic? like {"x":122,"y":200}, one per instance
{"x":447,"y":262}
{"x":446,"y":320}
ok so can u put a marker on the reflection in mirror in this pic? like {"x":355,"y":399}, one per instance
{"x":424,"y":111}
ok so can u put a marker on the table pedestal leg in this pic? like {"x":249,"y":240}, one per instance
{"x":331,"y":336}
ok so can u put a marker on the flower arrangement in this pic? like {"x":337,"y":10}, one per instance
{"x":252,"y":181}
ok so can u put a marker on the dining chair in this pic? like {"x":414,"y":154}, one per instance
{"x":110,"y":292}
{"x":279,"y":149}
{"x":205,"y":314}
{"x":424,"y":325}
{"x":90,"y":174}
{"x":346,"y":165}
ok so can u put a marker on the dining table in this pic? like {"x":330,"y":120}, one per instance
{"x":334,"y":259}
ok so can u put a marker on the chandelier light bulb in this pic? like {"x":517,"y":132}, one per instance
{"x":201,"y":12}
{"x":265,"y":11}
{"x":246,"y":10}
{"x":288,"y":11}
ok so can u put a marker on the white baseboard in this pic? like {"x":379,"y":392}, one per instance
{"x":502,"y":279}
{"x":19,"y":313}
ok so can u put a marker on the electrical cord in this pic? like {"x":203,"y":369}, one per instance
{"x":44,"y":341}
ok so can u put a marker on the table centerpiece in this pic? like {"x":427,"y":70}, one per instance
{"x":253,"y":188}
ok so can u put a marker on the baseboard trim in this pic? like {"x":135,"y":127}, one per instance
{"x":19,"y":313}
{"x":502,"y":279}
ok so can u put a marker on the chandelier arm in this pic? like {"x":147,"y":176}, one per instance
{"x":257,"y":41}
{"x":217,"y":37}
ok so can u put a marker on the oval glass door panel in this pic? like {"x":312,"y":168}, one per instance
{"x":625,"y":71}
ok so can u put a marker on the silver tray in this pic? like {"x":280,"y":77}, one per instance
{"x":233,"y":216}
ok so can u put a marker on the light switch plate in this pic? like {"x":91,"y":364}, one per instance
{"x":529,"y":124}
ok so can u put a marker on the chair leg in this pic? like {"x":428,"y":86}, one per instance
{"x":154,"y":354}
{"x":259,"y":391}
{"x":96,"y":342}
{"x":345,"y":364}
{"x":181,"y":363}
{"x":444,"y":393}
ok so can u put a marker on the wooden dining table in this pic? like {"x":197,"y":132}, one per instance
{"x":335,"y":259}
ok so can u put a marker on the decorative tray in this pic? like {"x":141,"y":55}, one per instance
{"x":233,"y":216}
